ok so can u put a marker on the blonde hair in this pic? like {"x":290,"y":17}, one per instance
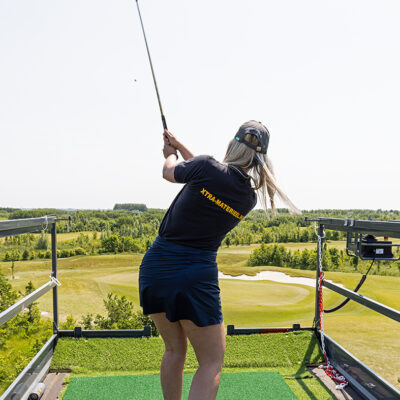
{"x":260,"y":170}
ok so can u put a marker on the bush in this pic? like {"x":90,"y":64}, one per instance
{"x":69,"y":323}
{"x":65,"y":253}
{"x":79,"y":251}
{"x":120,"y":315}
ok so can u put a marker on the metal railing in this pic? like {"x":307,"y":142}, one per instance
{"x":365,"y":381}
{"x":28,"y":225}
{"x":37,"y":368}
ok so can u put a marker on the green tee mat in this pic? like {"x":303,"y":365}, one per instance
{"x":241,"y":385}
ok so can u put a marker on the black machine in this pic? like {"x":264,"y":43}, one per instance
{"x":371,"y":248}
{"x":368,"y":247}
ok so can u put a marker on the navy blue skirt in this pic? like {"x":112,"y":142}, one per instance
{"x":181,"y":281}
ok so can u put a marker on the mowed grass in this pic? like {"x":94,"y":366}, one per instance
{"x":62,"y":237}
{"x":291,"y":350}
{"x":285,"y":353}
{"x":372,"y":338}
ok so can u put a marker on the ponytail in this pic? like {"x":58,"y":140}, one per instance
{"x":265,"y":184}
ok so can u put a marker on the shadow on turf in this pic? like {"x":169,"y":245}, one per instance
{"x":303,"y":368}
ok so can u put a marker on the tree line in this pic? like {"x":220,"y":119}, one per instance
{"x":333,"y":259}
{"x":128,"y":229}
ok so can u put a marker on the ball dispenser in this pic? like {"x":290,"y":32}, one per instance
{"x":368,"y":247}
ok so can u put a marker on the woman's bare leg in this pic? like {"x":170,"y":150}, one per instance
{"x":209,"y":345}
{"x":173,"y":361}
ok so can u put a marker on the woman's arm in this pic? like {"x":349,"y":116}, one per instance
{"x":174,"y":142}
{"x":171,"y":159}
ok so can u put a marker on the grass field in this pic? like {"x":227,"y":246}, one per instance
{"x":86,"y":280}
{"x":284,"y":353}
{"x":62,"y":237}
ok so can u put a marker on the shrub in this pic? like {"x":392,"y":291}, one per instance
{"x":120,"y":315}
{"x":65,"y":253}
{"x":79,"y":251}
{"x":68,"y":324}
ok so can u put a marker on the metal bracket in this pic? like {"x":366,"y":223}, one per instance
{"x":55,"y":280}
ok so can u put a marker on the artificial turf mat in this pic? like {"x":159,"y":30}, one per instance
{"x":97,"y":356}
{"x":242,"y":385}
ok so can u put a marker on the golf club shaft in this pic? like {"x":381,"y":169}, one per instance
{"x":164,"y":122}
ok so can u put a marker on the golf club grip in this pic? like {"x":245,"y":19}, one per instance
{"x":164,"y":122}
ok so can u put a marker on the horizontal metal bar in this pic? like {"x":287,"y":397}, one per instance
{"x":14,"y":227}
{"x":379,"y":228}
{"x":107,"y":333}
{"x":379,"y":244}
{"x":17,"y":390}
{"x":231,"y":330}
{"x":364,"y":380}
{"x":365,"y":301}
{"x":20,"y":305}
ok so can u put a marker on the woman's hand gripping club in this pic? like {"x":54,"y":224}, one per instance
{"x":171,"y":140}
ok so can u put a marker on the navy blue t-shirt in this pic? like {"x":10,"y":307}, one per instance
{"x":214,"y":200}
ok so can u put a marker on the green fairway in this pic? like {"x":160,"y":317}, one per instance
{"x":86,"y":280}
{"x":250,"y":385}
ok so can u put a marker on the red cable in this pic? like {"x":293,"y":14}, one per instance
{"x":330,"y":371}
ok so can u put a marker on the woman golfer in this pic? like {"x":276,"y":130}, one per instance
{"x":178,"y":279}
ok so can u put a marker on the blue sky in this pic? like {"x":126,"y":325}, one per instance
{"x":77,"y":130}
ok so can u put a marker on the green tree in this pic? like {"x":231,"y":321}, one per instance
{"x":12,"y":270}
{"x":33,"y":314}
{"x":8,"y":296}
{"x":42,"y":243}
{"x":111,"y":243}
{"x":335,"y":257}
{"x":354,"y":262}
{"x":25,"y":254}
{"x":14,"y":256}
{"x":130,"y":207}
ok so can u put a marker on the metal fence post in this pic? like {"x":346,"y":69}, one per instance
{"x":54,"y":274}
{"x":317,"y":321}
